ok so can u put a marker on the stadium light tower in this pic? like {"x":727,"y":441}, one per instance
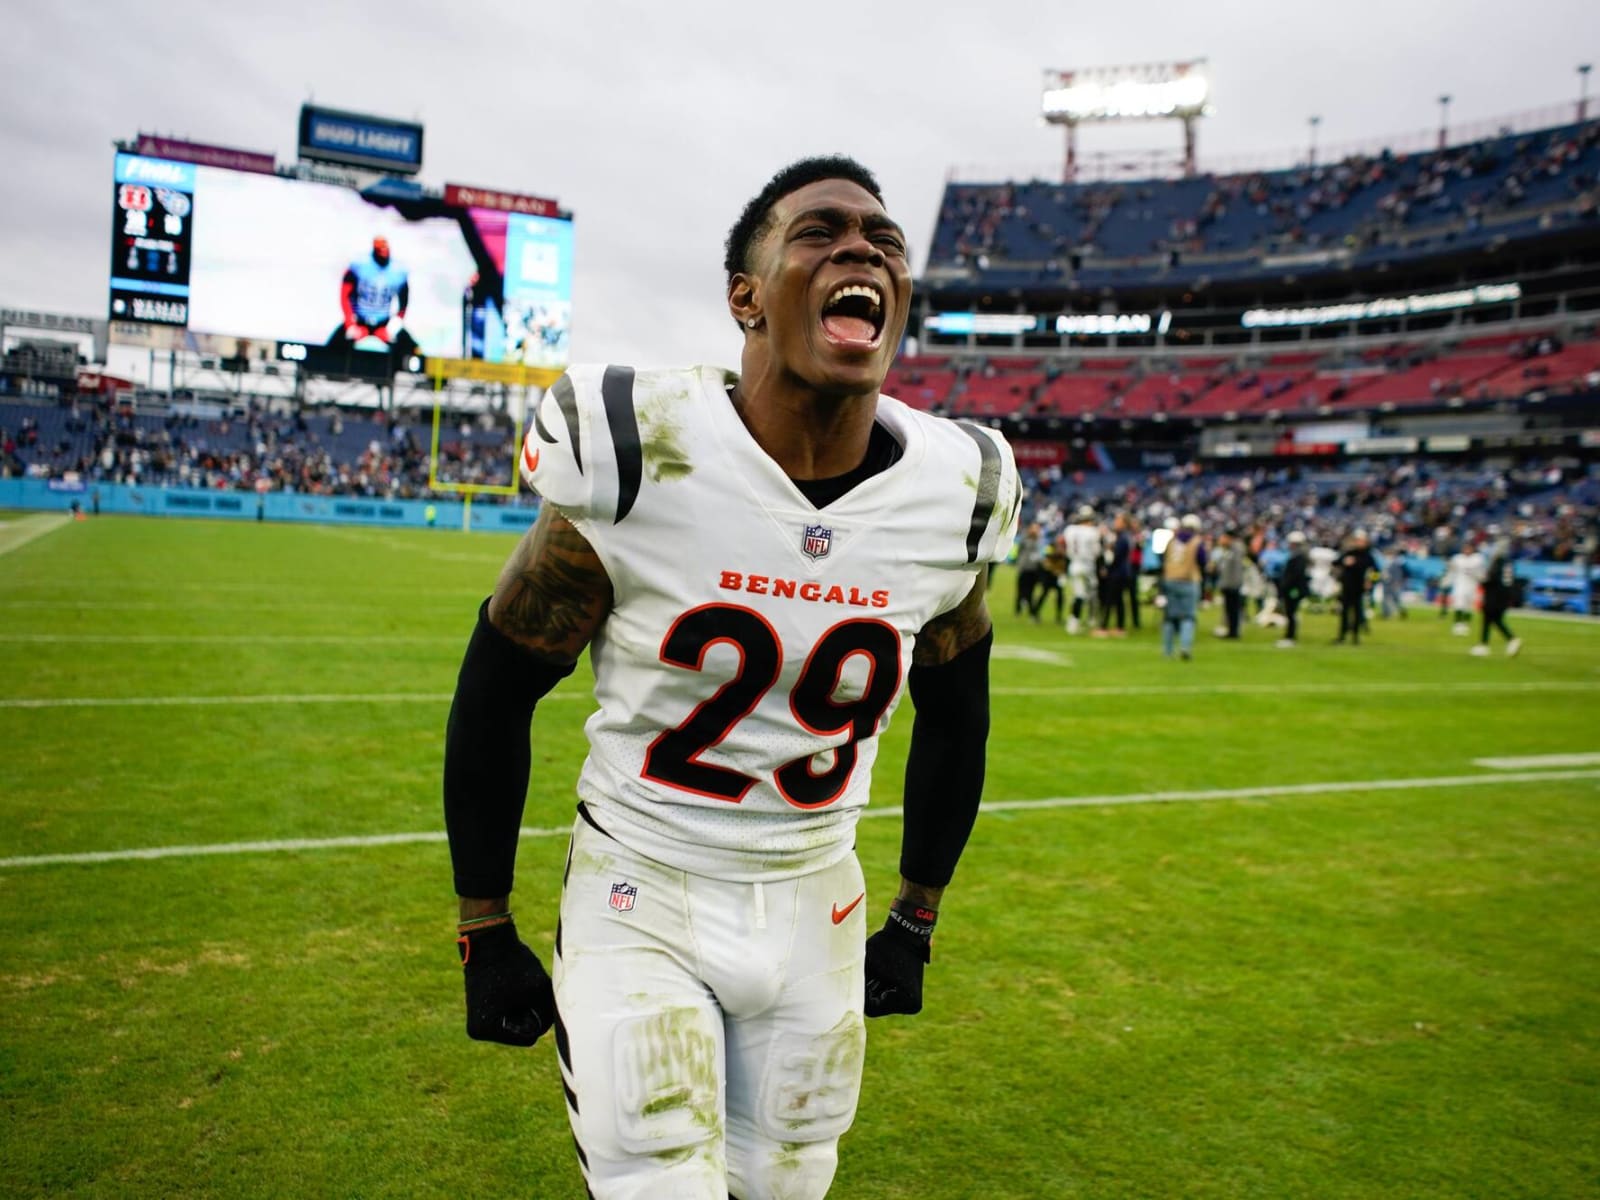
{"x":1148,"y":92}
{"x":1583,"y":92}
{"x":1315,"y":121}
{"x":1444,"y":120}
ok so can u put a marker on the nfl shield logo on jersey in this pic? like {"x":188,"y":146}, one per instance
{"x":622,"y":896}
{"x":817,"y":541}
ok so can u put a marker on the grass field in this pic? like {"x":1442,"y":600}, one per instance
{"x":1306,"y":991}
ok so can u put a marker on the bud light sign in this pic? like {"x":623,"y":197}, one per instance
{"x":359,"y":141}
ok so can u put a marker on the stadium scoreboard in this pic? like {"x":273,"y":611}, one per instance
{"x":150,"y":240}
{"x":343,"y":281}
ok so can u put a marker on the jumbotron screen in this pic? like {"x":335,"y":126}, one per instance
{"x":317,"y":265}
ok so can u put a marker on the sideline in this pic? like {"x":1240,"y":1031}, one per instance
{"x":888,"y":810}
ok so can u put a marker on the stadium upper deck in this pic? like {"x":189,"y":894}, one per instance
{"x":1360,"y":213}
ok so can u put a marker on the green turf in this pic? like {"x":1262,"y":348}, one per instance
{"x":1358,"y":993}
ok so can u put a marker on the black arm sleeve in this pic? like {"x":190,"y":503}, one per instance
{"x":486,"y":757}
{"x":944,"y":769}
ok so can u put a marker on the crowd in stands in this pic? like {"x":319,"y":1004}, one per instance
{"x":1360,"y":202}
{"x":1549,"y":510}
{"x":321,"y":453}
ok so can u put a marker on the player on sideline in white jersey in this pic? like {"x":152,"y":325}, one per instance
{"x":1082,"y":544}
{"x":759,"y":564}
{"x":1462,"y":576}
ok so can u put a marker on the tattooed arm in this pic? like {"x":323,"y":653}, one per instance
{"x":553,"y":592}
{"x":551,"y":598}
{"x":948,"y":634}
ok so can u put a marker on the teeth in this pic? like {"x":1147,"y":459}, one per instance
{"x":856,"y":289}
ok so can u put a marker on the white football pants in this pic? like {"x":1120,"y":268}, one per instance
{"x":1081,"y":579}
{"x":710,"y":1033}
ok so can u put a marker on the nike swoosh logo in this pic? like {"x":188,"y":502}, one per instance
{"x":530,"y":457}
{"x":839,"y":914}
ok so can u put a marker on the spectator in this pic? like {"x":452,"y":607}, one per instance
{"x":1294,"y":585}
{"x":1183,"y":565}
{"x":1355,"y":569}
{"x":1230,"y":566}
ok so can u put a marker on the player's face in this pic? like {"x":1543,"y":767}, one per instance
{"x":834,"y":287}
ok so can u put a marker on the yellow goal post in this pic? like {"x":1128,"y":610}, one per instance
{"x":477,"y":370}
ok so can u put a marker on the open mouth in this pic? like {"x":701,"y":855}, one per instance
{"x":853,"y":315}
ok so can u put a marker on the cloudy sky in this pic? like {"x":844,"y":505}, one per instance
{"x":654,"y":122}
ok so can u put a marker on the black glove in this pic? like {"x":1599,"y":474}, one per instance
{"x":509,"y":996}
{"x":896,"y":955}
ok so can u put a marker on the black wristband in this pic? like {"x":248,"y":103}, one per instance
{"x":488,"y":942}
{"x":913,"y":919}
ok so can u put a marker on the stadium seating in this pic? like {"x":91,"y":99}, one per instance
{"x":1249,"y":391}
{"x":1385,"y":207}
{"x":1568,"y":368}
{"x":1434,"y":382}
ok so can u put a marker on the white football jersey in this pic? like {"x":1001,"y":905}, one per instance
{"x":757,"y":645}
{"x":1464,"y":573}
{"x":1083,"y":547}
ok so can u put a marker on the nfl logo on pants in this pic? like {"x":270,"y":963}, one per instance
{"x":622,"y":896}
{"x":817,"y":542}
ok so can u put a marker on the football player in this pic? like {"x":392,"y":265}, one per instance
{"x":760,"y":564}
{"x":1462,"y":576}
{"x":374,"y":292}
{"x":1082,"y":540}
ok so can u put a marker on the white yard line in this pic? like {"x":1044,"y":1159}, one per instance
{"x":231,"y":639}
{"x":1231,"y":689}
{"x":20,"y":532}
{"x":1287,"y":789}
{"x":1033,"y":654}
{"x":1538,"y":760}
{"x":282,"y":845}
{"x":1541,"y":614}
{"x":297,"y":698}
{"x":101,"y":602}
{"x":1353,"y":688}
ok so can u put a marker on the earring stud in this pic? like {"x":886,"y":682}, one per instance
{"x":750,"y":322}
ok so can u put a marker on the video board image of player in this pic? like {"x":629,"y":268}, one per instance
{"x":531,"y":322}
{"x":308,"y":264}
{"x":375,"y":293}
{"x":323,"y":265}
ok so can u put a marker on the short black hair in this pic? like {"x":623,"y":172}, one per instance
{"x":752,"y":222}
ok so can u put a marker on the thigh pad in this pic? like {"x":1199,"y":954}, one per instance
{"x":667,"y":1072}
{"x":812,"y":1083}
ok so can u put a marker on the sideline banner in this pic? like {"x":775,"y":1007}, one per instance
{"x":120,"y":499}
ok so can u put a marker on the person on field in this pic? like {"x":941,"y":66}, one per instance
{"x":760,"y":564}
{"x":1354,"y":570}
{"x":1030,"y":554}
{"x":1463,"y":576}
{"x":1230,"y":568}
{"x":1082,"y":541}
{"x":1113,"y":577}
{"x":1052,"y":573}
{"x":1183,"y":566}
{"x":1294,"y":585}
{"x":1501,"y":592}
